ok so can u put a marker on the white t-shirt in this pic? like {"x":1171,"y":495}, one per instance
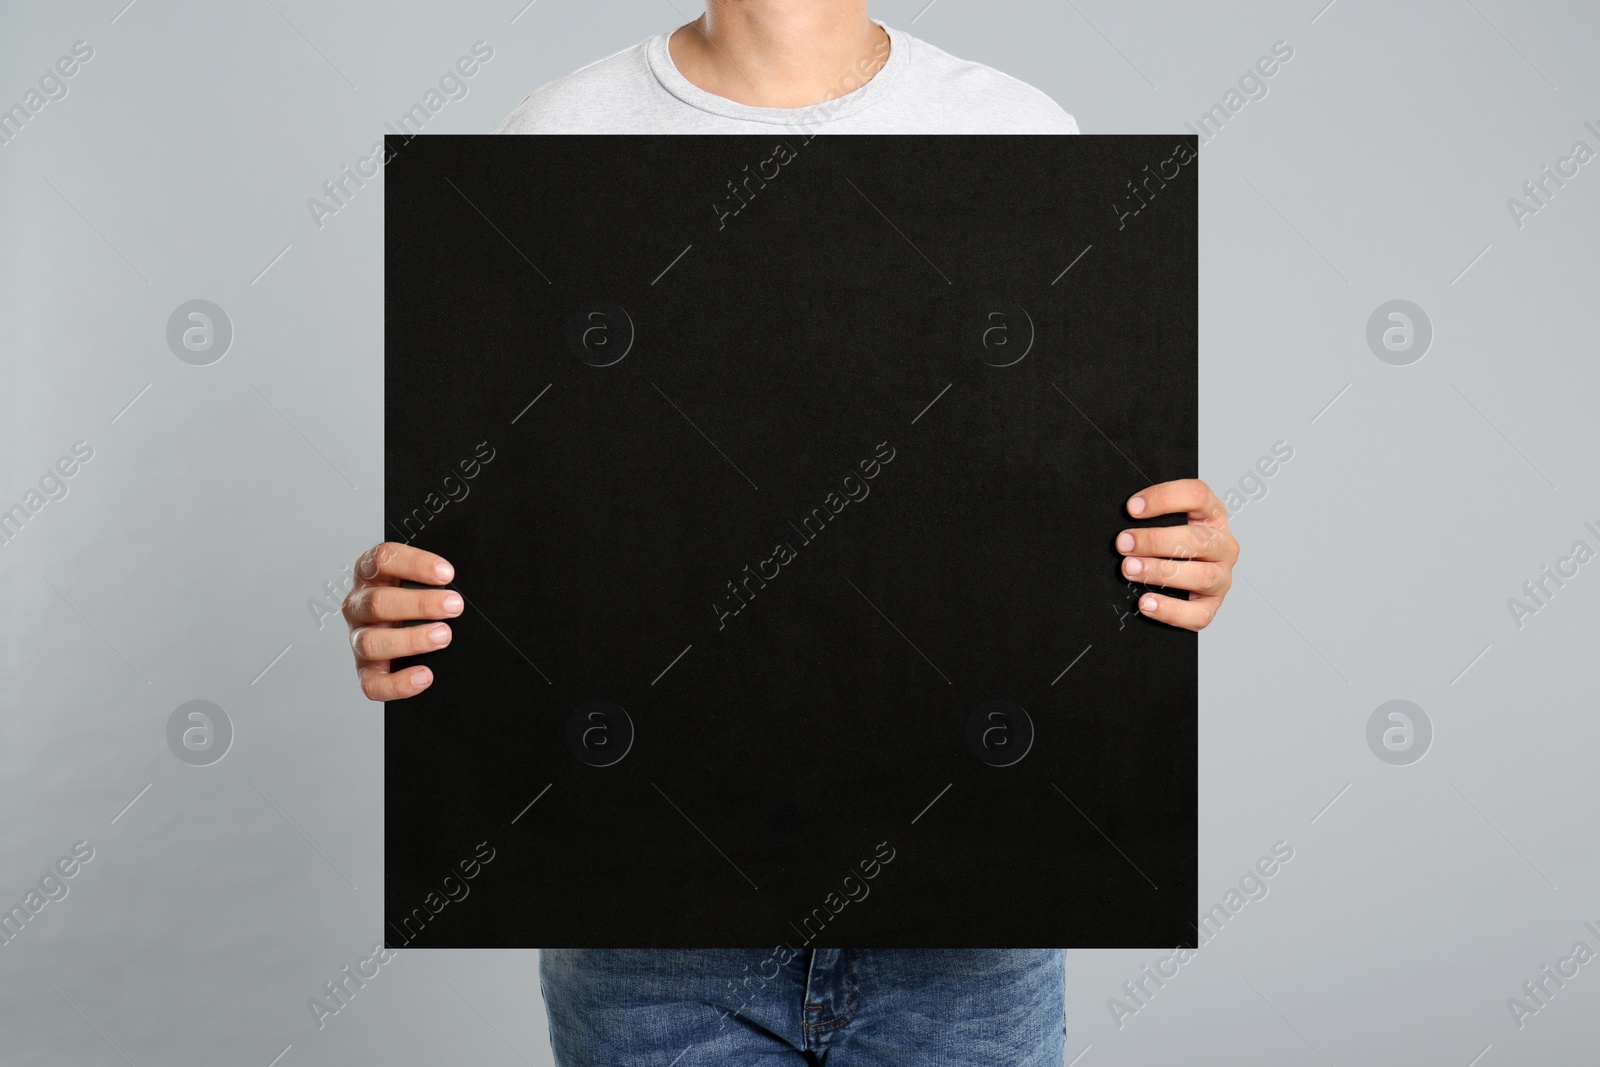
{"x":919,"y":89}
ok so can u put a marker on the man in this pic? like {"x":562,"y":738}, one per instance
{"x":748,"y":66}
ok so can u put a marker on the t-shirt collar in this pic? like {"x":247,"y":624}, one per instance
{"x":848,"y":103}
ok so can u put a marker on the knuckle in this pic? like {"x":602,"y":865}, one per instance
{"x":370,"y":563}
{"x":358,"y":605}
{"x":1218,"y":579}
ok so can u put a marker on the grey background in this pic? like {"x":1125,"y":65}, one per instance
{"x":1377,"y":566}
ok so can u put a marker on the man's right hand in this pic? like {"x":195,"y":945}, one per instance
{"x":377,"y":607}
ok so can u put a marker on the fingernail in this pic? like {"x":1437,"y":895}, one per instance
{"x":440,"y":636}
{"x":1125,"y":542}
{"x":453,"y":604}
{"x":421,"y":677}
{"x":1133,"y":565}
{"x":1147,"y":605}
{"x":1136,"y":506}
{"x":443,"y":571}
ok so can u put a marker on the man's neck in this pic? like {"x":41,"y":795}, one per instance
{"x":780,"y":53}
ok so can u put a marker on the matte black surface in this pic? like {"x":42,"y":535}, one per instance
{"x":824,"y":731}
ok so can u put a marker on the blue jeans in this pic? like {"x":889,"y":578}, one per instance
{"x":858,"y":1007}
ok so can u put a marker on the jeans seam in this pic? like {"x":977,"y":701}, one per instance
{"x":852,"y":1000}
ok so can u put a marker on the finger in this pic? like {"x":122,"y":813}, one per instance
{"x":1186,"y":496}
{"x":379,"y":684}
{"x":1190,"y":541}
{"x":1195,"y":613}
{"x":387,"y":603}
{"x":1196,"y":576}
{"x":390,"y":642}
{"x":393,"y":561}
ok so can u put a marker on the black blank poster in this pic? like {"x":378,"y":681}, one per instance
{"x":781,"y":475}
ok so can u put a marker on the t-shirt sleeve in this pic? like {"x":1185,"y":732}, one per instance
{"x":608,"y":96}
{"x":1030,"y":110}
{"x":521,"y":118}
{"x":960,"y":96}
